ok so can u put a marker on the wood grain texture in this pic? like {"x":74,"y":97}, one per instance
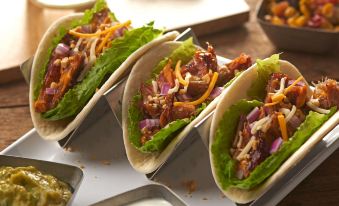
{"x":14,"y":94}
{"x":15,"y":122}
{"x":23,"y":25}
{"x":320,"y":188}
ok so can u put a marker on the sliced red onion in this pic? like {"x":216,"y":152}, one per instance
{"x":215,"y":92}
{"x":276,"y":145}
{"x":184,"y":97}
{"x":248,"y":128}
{"x":253,"y":115}
{"x":149,"y":123}
{"x":62,"y":49}
{"x":267,"y":110}
{"x":294,"y":122}
{"x":164,"y":89}
{"x":51,"y":91}
{"x":120,"y":32}
{"x":300,"y":83}
{"x":86,"y":28}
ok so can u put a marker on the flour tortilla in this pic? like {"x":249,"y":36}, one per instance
{"x":238,"y":91}
{"x":141,"y":72}
{"x":56,"y":130}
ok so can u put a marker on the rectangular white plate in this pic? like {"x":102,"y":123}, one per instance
{"x":107,"y":172}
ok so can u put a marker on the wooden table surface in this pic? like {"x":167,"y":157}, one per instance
{"x":320,"y":188}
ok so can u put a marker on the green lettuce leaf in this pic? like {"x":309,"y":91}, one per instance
{"x":134,"y":117}
{"x":233,"y":79}
{"x":88,"y":15}
{"x":264,"y":69}
{"x":223,"y":162}
{"x":121,"y":48}
{"x":225,"y":165}
{"x":162,"y":138}
{"x":184,"y":53}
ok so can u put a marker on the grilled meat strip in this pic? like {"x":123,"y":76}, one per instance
{"x":257,"y":142}
{"x":156,"y":105}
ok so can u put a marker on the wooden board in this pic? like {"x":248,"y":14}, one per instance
{"x":23,"y":23}
{"x":204,"y":16}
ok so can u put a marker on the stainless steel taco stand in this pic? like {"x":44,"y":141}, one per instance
{"x":98,"y":148}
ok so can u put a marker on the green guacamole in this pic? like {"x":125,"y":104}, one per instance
{"x":28,"y":186}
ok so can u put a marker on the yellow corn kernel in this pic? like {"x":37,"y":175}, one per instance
{"x":300,"y":21}
{"x":327,"y":10}
{"x":277,"y":21}
{"x":292,"y":21}
{"x":326,"y":25}
{"x":278,"y":9}
{"x":290,"y":11}
{"x":304,"y":9}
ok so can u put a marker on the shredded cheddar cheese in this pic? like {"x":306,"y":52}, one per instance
{"x":205,"y":95}
{"x":292,"y":85}
{"x":271,"y":104}
{"x":103,"y":42}
{"x":178,"y":74}
{"x":278,"y":97}
{"x":282,"y":124}
{"x":111,"y":29}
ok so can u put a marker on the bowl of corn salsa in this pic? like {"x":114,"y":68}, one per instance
{"x":301,"y":25}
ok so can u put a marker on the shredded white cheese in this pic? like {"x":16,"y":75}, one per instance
{"x":290,"y":114}
{"x":155,"y":86}
{"x":175,"y":88}
{"x":187,"y":79}
{"x":76,"y":48}
{"x":282,"y":86}
{"x":285,"y":111}
{"x":240,"y":139}
{"x":315,"y":102}
{"x":267,"y":124}
{"x":91,"y":59}
{"x":317,"y":109}
{"x":246,"y":149}
{"x":92,"y":56}
{"x":257,"y":125}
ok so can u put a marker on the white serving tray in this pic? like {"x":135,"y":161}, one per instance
{"x":97,"y":146}
{"x":100,"y":150}
{"x":107,"y":172}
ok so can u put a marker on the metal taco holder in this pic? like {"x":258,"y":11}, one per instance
{"x":112,"y":101}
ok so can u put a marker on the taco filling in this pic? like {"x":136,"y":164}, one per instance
{"x":179,"y":92}
{"x":255,"y":136}
{"x":82,"y":54}
{"x":74,"y":56}
{"x":263,"y":130}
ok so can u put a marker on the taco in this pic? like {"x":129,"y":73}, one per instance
{"x":266,"y":122}
{"x":78,"y":59}
{"x":170,"y":89}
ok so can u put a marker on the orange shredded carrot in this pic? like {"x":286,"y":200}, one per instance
{"x":205,"y":95}
{"x":282,"y":124}
{"x":112,"y":28}
{"x":286,"y":90}
{"x":178,"y":74}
